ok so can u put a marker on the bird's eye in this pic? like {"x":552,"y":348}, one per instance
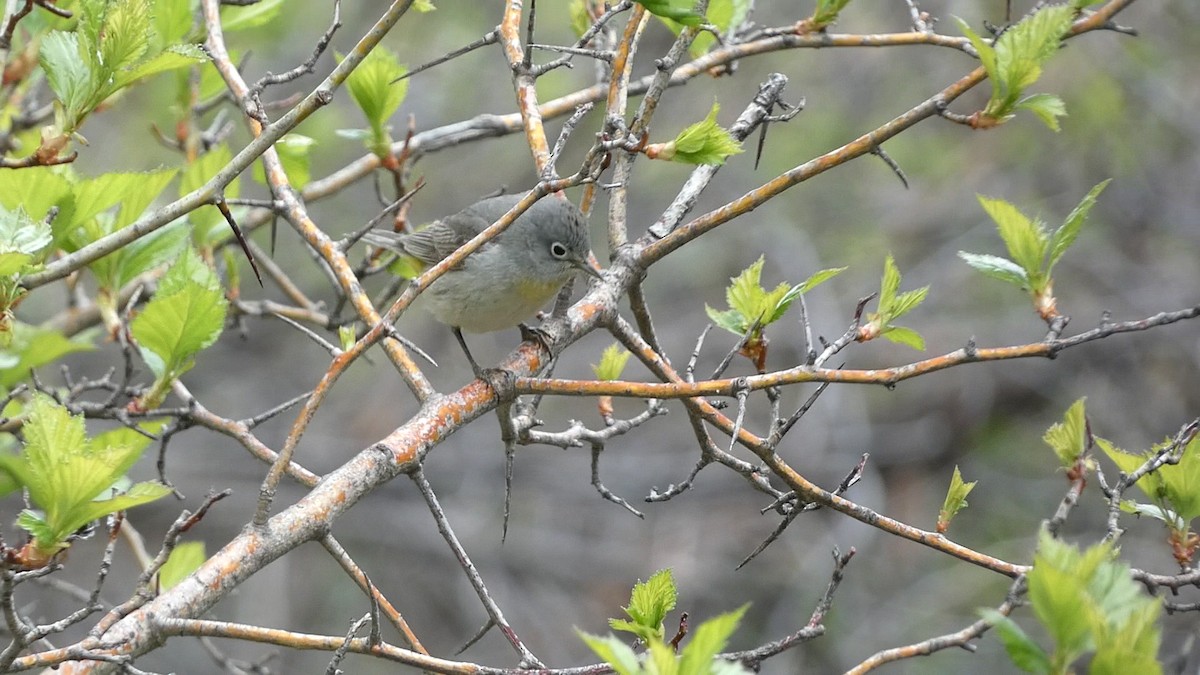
{"x":558,"y":250}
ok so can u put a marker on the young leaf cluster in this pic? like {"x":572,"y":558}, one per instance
{"x":185,"y":316}
{"x":69,"y":477}
{"x":1173,"y":490}
{"x":752,"y":308}
{"x":648,"y":606}
{"x":1088,"y":604}
{"x":1033,"y":251}
{"x":893,"y":305}
{"x":956,"y":500}
{"x":825,"y":14}
{"x":1015,"y":62}
{"x":704,"y":142}
{"x":374,"y":88}
{"x":1068,"y":438}
{"x":115,"y":43}
{"x":612,"y":363}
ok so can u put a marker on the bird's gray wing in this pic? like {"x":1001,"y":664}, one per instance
{"x":439,"y":239}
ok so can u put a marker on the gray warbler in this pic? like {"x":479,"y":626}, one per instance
{"x":510,"y":277}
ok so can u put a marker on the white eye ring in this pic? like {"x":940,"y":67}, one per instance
{"x":558,"y":250}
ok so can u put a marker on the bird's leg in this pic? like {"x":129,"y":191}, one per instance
{"x":479,"y":372}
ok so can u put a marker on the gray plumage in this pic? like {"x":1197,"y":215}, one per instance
{"x":510,"y":277}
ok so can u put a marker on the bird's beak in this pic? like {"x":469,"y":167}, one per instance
{"x":588,"y":266}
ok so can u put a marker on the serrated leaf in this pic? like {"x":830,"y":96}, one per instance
{"x":66,"y":474}
{"x":986,"y":52}
{"x":745,"y":292}
{"x":725,"y":15}
{"x":997,"y":268}
{"x":1064,"y":236}
{"x":1058,"y":592}
{"x":185,"y":558}
{"x":682,"y":11}
{"x":151,"y":251}
{"x":235,"y":18}
{"x":172,"y":23}
{"x":35,"y":190}
{"x":612,"y":363}
{"x":820,"y":277}
{"x":904,"y":336}
{"x":827,"y":11}
{"x":648,"y":605}
{"x":175,"y":56}
{"x":1026,"y":242}
{"x":708,"y":640}
{"x":371,"y":86}
{"x":1047,"y":107}
{"x":955,"y":501}
{"x":1067,"y":438}
{"x":907,"y":301}
{"x":69,"y":73}
{"x":705,"y":142}
{"x":730,"y":320}
{"x":1022,"y":650}
{"x":125,"y":38}
{"x":614,"y":652}
{"x":889,"y":284}
{"x":175,"y":326}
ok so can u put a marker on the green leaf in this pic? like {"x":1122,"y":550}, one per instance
{"x":125,"y":38}
{"x":907,"y":301}
{"x":1068,"y":438}
{"x":725,"y":15}
{"x":235,"y":18}
{"x":151,"y":251}
{"x":987,"y":53}
{"x":1022,"y":650}
{"x":997,"y":268}
{"x":889,"y":284}
{"x":614,"y":652}
{"x":1047,"y":107}
{"x":33,"y":347}
{"x":683,"y":11}
{"x":904,"y":336}
{"x":371,"y":86}
{"x":827,"y":11}
{"x":1058,"y":592}
{"x":184,"y":317}
{"x":1064,"y":236}
{"x":184,"y":559}
{"x":731,"y":320}
{"x":1132,"y":646}
{"x":708,"y":641}
{"x":819,"y":278}
{"x":612,"y":363}
{"x":1022,"y":49}
{"x":70,"y":75}
{"x":648,"y":606}
{"x":1026,"y":240}
{"x":65,"y":474}
{"x":423,"y":6}
{"x":172,"y":22}
{"x":956,"y":499}
{"x":175,"y":56}
{"x":745,"y":293}
{"x":293,"y":152}
{"x":704,"y":142}
{"x":37,"y":189}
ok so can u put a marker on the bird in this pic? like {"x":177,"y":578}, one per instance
{"x":510,"y":277}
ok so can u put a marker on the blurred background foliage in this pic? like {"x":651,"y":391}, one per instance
{"x":571,"y":557}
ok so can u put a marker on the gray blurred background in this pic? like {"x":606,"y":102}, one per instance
{"x":571,"y":558}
